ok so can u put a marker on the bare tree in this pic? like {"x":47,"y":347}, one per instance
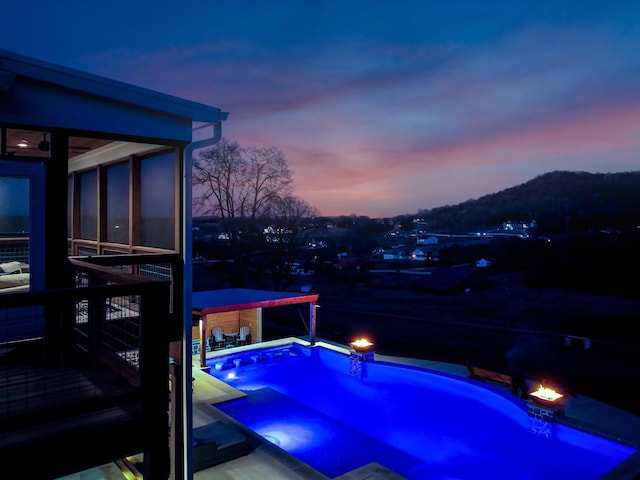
{"x":239,"y":185}
{"x":268,"y":178}
{"x":250,"y":190}
{"x":218,"y":178}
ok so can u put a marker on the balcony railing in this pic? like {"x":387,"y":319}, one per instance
{"x":97,"y":351}
{"x":15,"y":248}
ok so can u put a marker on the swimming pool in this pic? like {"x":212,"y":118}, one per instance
{"x":336,"y":414}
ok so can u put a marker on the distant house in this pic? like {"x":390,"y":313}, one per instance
{"x":405,"y":254}
{"x":392,"y":254}
{"x":427,"y":241}
{"x":396,"y":254}
{"x":483,"y":263}
{"x":417,"y":255}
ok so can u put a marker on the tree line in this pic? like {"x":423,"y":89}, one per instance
{"x":249,"y":190}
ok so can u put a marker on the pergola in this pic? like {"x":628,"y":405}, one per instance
{"x":236,"y":299}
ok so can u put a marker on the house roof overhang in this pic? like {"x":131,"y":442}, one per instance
{"x":232,"y":299}
{"x":35,"y":92}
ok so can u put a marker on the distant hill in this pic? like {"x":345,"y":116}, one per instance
{"x":559,"y":202}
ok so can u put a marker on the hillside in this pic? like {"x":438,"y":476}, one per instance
{"x":559,"y":202}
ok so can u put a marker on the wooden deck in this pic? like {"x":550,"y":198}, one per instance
{"x":30,"y":392}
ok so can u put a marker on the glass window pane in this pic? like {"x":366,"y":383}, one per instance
{"x":157,"y":198}
{"x":88,"y":205}
{"x":14,"y":234}
{"x":22,"y":244}
{"x":118,"y":204}
{"x":14,"y":205}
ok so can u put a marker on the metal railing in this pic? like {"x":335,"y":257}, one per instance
{"x":14,"y":249}
{"x":98,"y":345}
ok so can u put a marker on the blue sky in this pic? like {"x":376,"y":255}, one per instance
{"x":381,"y":107}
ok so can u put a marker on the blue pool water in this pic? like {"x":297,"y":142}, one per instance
{"x":337,"y":414}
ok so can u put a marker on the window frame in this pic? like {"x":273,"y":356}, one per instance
{"x":101,"y":245}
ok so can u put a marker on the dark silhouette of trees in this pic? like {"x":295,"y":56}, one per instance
{"x":240,"y":185}
{"x":290,"y":219}
{"x":560,"y":202}
{"x":248,"y":190}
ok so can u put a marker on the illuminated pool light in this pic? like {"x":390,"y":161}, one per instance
{"x":293,"y":436}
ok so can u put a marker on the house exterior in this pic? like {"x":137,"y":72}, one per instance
{"x":483,"y":263}
{"x":405,"y":254}
{"x":431,"y":240}
{"x":393,"y":254}
{"x":417,"y":255}
{"x":96,"y":211}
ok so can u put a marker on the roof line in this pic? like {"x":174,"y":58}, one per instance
{"x":102,"y":86}
{"x":278,"y":302}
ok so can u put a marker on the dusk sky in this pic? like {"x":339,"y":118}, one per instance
{"x":381,"y":107}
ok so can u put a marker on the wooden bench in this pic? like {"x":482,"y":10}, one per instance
{"x":484,"y":374}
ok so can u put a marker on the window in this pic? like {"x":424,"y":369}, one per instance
{"x":14,"y":205}
{"x":118,"y":204}
{"x":14,"y":234}
{"x":157,"y":201}
{"x":127,"y":205}
{"x":21,"y":226}
{"x":89,"y":205}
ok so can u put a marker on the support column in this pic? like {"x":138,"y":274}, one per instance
{"x":203,"y":339}
{"x":312,"y":321}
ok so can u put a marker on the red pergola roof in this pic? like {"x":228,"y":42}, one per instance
{"x":231,"y":299}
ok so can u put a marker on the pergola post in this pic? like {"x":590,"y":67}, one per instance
{"x":203,"y":338}
{"x":312,"y":317}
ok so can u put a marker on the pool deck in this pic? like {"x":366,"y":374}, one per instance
{"x":269,"y":461}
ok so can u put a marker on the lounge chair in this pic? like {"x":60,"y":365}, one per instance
{"x":244,"y":338}
{"x":216,"y":340}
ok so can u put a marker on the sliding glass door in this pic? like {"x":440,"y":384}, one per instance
{"x":21,"y":226}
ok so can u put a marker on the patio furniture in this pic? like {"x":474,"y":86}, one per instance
{"x":231,"y":339}
{"x":484,"y":374}
{"x":10,"y":267}
{"x":216,"y":340}
{"x":244,"y":337}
